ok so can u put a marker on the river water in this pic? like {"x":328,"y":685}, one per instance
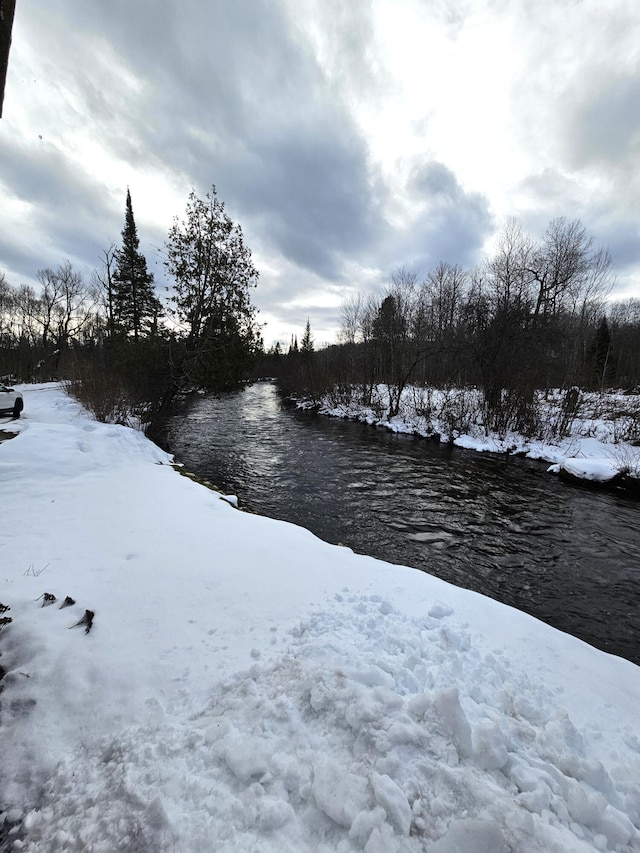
{"x":501,"y":526}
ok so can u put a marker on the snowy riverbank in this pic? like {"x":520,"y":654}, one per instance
{"x":600,"y":444}
{"x":245,"y":686}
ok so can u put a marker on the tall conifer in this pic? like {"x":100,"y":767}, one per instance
{"x":307,"y":346}
{"x":135,"y":305}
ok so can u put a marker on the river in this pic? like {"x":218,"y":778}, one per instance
{"x":498,"y":525}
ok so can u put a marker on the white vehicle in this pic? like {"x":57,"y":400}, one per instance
{"x":10,"y":401}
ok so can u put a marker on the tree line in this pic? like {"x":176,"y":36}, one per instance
{"x":533,"y":316}
{"x":122,"y":349}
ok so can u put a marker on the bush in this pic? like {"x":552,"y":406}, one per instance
{"x":514,"y":411}
{"x":105,"y":396}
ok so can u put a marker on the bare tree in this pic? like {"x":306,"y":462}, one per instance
{"x":102,"y":281}
{"x":7,"y":302}
{"x":351,"y":318}
{"x":400,"y":335}
{"x":507,"y":272}
{"x":65,"y":307}
{"x":443,"y":289}
{"x":26,"y":312}
{"x":566,"y":267}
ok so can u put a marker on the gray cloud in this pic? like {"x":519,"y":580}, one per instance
{"x":622,"y":240}
{"x":68,"y":211}
{"x":604,"y":125}
{"x":314,"y":199}
{"x":71,"y":216}
{"x":556,"y":193}
{"x":257,"y":97}
{"x":552,"y":186}
{"x":238,"y":102}
{"x":42,"y":176}
{"x":453,"y":224}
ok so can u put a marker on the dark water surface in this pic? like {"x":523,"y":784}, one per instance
{"x":500,"y":526}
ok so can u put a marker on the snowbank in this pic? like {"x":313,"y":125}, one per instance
{"x":246,"y":686}
{"x":595,"y":449}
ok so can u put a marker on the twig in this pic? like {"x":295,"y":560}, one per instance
{"x":36,"y":574}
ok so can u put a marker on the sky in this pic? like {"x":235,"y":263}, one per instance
{"x":348,"y":139}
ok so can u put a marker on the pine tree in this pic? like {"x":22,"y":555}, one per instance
{"x":135,"y":305}
{"x":306,"y":346}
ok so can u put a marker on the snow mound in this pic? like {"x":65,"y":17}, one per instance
{"x":316,"y":752}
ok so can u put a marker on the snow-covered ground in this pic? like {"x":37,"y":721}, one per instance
{"x":247,"y":687}
{"x":598,"y":447}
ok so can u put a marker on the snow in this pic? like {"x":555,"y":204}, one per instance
{"x":248,"y":687}
{"x":595,"y":470}
{"x":597,"y":448}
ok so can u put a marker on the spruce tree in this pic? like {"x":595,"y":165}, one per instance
{"x":135,"y":305}
{"x":307,"y":347}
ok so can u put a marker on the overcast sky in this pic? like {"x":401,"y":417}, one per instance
{"x":347,"y":137}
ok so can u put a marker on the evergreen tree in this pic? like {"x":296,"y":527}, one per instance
{"x":135,"y":305}
{"x":306,"y":346}
{"x":214,"y":275}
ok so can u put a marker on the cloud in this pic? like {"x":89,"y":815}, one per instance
{"x":605,"y":127}
{"x":622,"y":240}
{"x":63,"y":209}
{"x":347,"y":139}
{"x":312,"y":192}
{"x":452,"y":224}
{"x":238,"y":102}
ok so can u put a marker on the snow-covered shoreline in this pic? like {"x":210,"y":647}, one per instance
{"x":594,"y":451}
{"x":246,"y":686}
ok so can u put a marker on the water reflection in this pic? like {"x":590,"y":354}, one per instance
{"x":500,"y":526}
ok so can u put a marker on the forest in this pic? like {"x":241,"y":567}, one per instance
{"x":119,"y":348}
{"x":535,"y":315}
